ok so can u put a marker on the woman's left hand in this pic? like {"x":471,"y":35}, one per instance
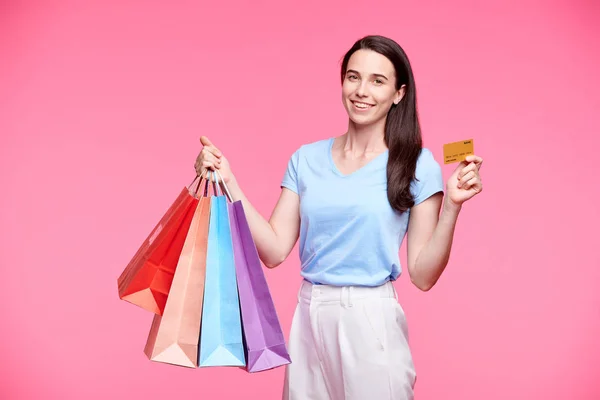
{"x":465,"y":181}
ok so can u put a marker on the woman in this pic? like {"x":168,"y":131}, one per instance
{"x":351,"y":200}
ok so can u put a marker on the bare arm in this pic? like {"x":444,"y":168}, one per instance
{"x":429,"y":240}
{"x":276,"y":237}
{"x":430,"y":235}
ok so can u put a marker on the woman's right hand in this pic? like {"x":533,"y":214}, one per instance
{"x":211,"y":158}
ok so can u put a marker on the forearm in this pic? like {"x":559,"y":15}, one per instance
{"x":263,"y":234}
{"x":434,"y":256}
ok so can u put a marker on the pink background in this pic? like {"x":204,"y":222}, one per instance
{"x":101,"y":108}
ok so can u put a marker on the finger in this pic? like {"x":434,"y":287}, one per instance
{"x":198,"y":166}
{"x":470,"y":175}
{"x":210,"y":146}
{"x":212,"y":150}
{"x":210,"y":165}
{"x":205,"y":141}
{"x":474,"y":184}
{"x":460,"y":167}
{"x":478,"y":161}
{"x":208,"y":156}
{"x":470,"y":167}
{"x":473,"y":158}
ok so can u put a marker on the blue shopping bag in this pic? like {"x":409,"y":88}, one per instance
{"x":221,"y":342}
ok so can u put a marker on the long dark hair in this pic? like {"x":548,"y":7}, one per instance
{"x":402,"y":129}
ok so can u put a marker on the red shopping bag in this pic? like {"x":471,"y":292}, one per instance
{"x":147,"y":279}
{"x":173,"y":337}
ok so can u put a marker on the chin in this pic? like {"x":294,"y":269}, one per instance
{"x":360,"y":120}
{"x":363,"y":120}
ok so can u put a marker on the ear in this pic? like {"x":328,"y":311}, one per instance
{"x":400,"y":94}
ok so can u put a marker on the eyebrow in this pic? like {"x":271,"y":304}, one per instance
{"x":378,"y":75}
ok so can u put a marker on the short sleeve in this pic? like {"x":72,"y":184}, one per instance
{"x":290,"y":178}
{"x":429,"y":177}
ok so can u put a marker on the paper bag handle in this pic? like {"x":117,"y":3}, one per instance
{"x":217,"y":184}
{"x":199,"y":184}
{"x":224,"y":186}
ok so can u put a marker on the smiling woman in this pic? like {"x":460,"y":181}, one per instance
{"x":350,"y":200}
{"x":376,"y":78}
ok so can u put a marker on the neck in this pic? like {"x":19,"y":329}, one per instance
{"x":361,"y":139}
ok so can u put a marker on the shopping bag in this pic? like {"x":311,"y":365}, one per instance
{"x":173,"y":337}
{"x":265,"y":342}
{"x":147,"y":278}
{"x":221,"y":342}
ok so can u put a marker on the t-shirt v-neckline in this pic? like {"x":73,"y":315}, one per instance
{"x":337,"y":171}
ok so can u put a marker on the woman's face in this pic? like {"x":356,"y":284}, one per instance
{"x":369,"y":87}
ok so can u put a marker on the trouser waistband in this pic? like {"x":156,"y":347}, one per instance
{"x":345,"y":294}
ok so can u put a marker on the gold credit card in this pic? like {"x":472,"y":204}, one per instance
{"x":457,"y":151}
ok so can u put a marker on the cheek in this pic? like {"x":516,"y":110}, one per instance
{"x":346,"y":90}
{"x":384,"y":96}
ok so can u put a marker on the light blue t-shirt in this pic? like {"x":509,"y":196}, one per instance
{"x":349,"y":233}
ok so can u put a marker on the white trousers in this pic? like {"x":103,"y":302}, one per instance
{"x":349,"y":343}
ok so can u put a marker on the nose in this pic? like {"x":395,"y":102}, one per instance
{"x":361,"y":90}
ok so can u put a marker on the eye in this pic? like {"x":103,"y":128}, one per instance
{"x":352,"y":77}
{"x":378,"y":82}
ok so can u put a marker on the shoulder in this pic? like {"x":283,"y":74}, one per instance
{"x":309,"y":150}
{"x":313,"y":147}
{"x":426,"y":156}
{"x":427,"y":164}
{"x":307,"y":157}
{"x":428,"y":177}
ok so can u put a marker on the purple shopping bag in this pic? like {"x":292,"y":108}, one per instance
{"x":265,"y":344}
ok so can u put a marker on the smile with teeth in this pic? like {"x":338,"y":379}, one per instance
{"x":362,"y":106}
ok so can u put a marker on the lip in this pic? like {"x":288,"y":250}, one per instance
{"x":361,"y":109}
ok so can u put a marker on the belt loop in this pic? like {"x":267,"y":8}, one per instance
{"x":394,"y":291}
{"x":350,"y":291}
{"x":301,"y":290}
{"x":343,"y":297}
